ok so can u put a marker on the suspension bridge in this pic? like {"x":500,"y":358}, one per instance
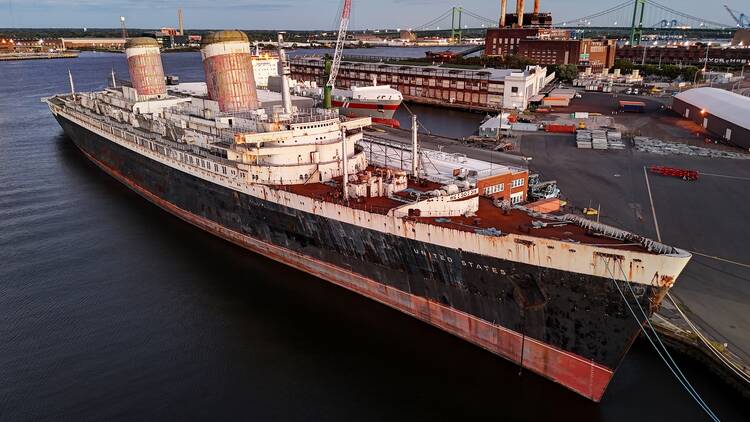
{"x":630,"y":17}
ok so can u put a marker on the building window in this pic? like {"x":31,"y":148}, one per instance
{"x":514,"y":89}
{"x":516,"y":183}
{"x":494,"y":189}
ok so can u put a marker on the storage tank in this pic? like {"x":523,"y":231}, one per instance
{"x":229,"y":71}
{"x":145,"y":68}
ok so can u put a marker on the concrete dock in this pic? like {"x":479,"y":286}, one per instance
{"x":38,"y":56}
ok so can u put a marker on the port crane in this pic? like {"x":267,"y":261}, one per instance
{"x":338,"y":53}
{"x":743,"y":21}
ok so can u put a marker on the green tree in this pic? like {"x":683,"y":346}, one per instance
{"x":567,"y":72}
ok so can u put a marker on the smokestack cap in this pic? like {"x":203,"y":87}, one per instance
{"x":142,"y":42}
{"x":224,"y":36}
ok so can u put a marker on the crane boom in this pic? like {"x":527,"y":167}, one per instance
{"x":339,"y":53}
{"x":742,"y":20}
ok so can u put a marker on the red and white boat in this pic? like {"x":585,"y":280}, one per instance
{"x":379,"y":102}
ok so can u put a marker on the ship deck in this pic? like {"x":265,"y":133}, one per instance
{"x":489,"y":219}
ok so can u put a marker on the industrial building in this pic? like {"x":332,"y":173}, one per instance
{"x":93,"y":43}
{"x":533,"y":38}
{"x":548,"y":46}
{"x":685,"y":55}
{"x":480,"y":89}
{"x":722,"y":113}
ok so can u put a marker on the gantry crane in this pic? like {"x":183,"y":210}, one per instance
{"x":743,"y":21}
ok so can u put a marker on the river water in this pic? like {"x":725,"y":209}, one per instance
{"x":110,"y":309}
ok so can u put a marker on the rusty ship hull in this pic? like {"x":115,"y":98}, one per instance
{"x":570,"y":327}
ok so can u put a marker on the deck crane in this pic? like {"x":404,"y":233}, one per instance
{"x":743,"y":21}
{"x":338,"y":53}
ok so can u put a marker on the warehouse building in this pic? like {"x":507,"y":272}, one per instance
{"x":469,"y":89}
{"x":722,"y":113}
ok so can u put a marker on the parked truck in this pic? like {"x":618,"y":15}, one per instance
{"x":633,"y":106}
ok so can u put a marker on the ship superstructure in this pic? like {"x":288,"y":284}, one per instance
{"x":294,"y":185}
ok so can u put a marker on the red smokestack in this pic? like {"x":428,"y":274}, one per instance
{"x":503,"y":6}
{"x":229,"y":71}
{"x":145,"y":68}
{"x":536,"y":7}
{"x":520,"y":6}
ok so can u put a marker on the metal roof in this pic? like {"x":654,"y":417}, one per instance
{"x":726,"y":105}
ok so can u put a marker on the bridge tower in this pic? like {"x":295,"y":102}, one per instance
{"x":456,"y":30}
{"x":636,"y":28}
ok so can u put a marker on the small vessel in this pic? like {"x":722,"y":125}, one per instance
{"x":378,"y":102}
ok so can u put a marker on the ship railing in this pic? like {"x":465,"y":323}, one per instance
{"x":140,"y":137}
{"x":605,"y":230}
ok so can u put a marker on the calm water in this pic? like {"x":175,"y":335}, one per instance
{"x":110,"y":309}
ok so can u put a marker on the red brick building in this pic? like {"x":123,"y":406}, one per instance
{"x":511,"y":185}
{"x":597,"y":54}
{"x":550,"y":46}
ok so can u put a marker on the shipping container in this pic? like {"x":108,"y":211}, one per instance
{"x":560,"y":128}
{"x":524,"y":127}
{"x":556,"y":101}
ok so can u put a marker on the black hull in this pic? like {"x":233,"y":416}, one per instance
{"x":580,"y":314}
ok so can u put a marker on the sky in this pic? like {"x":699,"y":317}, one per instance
{"x":302,"y":14}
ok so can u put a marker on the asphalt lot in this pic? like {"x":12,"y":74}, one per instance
{"x":708,"y":216}
{"x":658,"y":121}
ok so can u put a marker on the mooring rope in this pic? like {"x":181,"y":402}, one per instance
{"x":678,"y":374}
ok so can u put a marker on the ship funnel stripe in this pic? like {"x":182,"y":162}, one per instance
{"x":136,"y":51}
{"x":229,"y":47}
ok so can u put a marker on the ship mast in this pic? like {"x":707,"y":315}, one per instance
{"x":285,"y":75}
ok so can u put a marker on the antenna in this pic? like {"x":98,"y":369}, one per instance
{"x":122,"y":27}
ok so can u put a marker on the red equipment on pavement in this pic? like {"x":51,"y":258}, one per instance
{"x":675,"y":172}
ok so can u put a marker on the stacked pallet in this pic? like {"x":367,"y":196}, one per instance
{"x":614,"y":140}
{"x":583,"y":139}
{"x":599,"y":139}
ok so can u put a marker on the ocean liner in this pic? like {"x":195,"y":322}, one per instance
{"x":540,"y":290}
